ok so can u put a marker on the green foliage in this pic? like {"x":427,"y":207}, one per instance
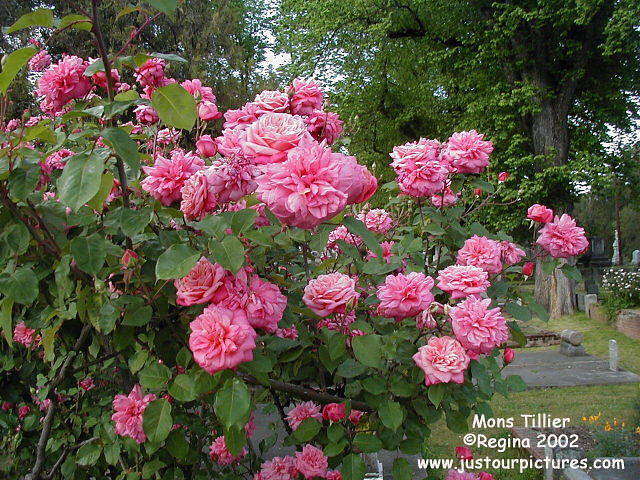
{"x":175,"y":106}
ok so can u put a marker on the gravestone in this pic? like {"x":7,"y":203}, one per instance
{"x":635,"y":257}
{"x":589,"y":299}
{"x":613,"y":355}
{"x":571,"y":343}
{"x":615,"y":259}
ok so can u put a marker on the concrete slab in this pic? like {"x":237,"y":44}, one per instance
{"x":548,"y":368}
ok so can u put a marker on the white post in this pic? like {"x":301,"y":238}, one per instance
{"x":613,"y":355}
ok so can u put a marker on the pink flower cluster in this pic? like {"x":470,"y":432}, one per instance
{"x":481,"y":252}
{"x":478,"y":328}
{"x":443,"y":360}
{"x":129,"y":410}
{"x":562,"y":238}
{"x":219,"y":453}
{"x":402,"y":296}
{"x":167,"y":176}
{"x":63,"y":82}
{"x":26,"y":336}
{"x":331,"y":293}
{"x":310,"y":462}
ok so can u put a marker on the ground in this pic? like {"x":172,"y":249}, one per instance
{"x":621,"y":402}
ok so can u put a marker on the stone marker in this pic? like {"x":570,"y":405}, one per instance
{"x":572,"y":336}
{"x":589,"y":299}
{"x":613,"y":355}
{"x":635,"y":257}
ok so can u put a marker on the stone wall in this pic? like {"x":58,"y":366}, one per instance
{"x":628,"y":322}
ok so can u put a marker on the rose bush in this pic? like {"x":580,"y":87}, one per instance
{"x":171,"y":277}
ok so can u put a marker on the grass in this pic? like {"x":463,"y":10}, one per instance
{"x":611,"y":401}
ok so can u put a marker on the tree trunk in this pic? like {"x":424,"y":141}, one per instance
{"x":550,"y":135}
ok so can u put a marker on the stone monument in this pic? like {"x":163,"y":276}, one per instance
{"x":635,"y":258}
{"x":615,"y":259}
{"x":571,"y":343}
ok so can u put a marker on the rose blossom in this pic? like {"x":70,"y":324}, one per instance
{"x":23,"y":411}
{"x":242,"y":117}
{"x":232,"y":178}
{"x":481,"y":252}
{"x":306,"y":96}
{"x":469,"y":152}
{"x":301,"y":412}
{"x":443,"y":360}
{"x":511,"y":253}
{"x":129,"y":410}
{"x":168,"y":135}
{"x":167,"y":176}
{"x":377,"y":220}
{"x":508,"y":355}
{"x":221,"y":338}
{"x":387,"y":254}
{"x":146,"y":115}
{"x":444,"y":200}
{"x":63,"y":82}
{"x":278,"y":468}
{"x":503,"y":176}
{"x":230,"y":142}
{"x":464,"y":453}
{"x":312,"y":186}
{"x":485,"y":476}
{"x":478,"y":328}
{"x":219,"y":453}
{"x":324,"y":126}
{"x":562,"y":238}
{"x":528,"y":268}
{"x":199,"y":91}
{"x":311,"y":462}
{"x":151,"y":73}
{"x":208,"y":111}
{"x":56,"y":161}
{"x":265,"y":304}
{"x":201,"y":284}
{"x":25,"y":335}
{"x":355,"y":416}
{"x":330,"y":293}
{"x":334,"y":412}
{"x":271,"y":101}
{"x":463,"y":281}
{"x":420,"y":171}
{"x":40,"y":61}
{"x":198,"y":196}
{"x":403,"y":296}
{"x":270,"y":138}
{"x":290,"y":333}
{"x":206,"y":146}
{"x":540,"y":213}
{"x":87,"y":384}
{"x":333,"y":475}
{"x":369,"y":185}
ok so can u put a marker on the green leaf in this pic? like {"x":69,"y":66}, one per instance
{"x":243,"y":220}
{"x":518,"y":311}
{"x":175,"y":106}
{"x":106,"y":184}
{"x":232,"y":403}
{"x":176,"y":262}
{"x":112,"y":453}
{"x":234,"y":439}
{"x":88,"y":454}
{"x":229,"y":253}
{"x":80,"y":22}
{"x":356,"y":227}
{"x":391,"y":414}
{"x":6,"y":323}
{"x":515,"y":383}
{"x":42,"y":17}
{"x":353,"y":467}
{"x":137,"y":315}
{"x":401,"y":469}
{"x":13,"y":64}
{"x":457,"y":422}
{"x":308,"y":429}
{"x":155,"y":376}
{"x":21,"y":286}
{"x":177,"y":445}
{"x":89,"y":253}
{"x":572,"y":272}
{"x":367,"y":442}
{"x":123,"y":145}
{"x":165,"y":6}
{"x":367,"y":350}
{"x":436,"y":393}
{"x":95,"y":67}
{"x":133,"y":222}
{"x":183,"y":388}
{"x":80,"y":180}
{"x":157,"y":420}
{"x":107,"y":317}
{"x":483,"y":185}
{"x":516,"y":333}
{"x":137,"y":360}
{"x":22,"y":181}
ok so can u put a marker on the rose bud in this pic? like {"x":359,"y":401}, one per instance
{"x":206,"y":146}
{"x":6,"y":406}
{"x":477,"y":192}
{"x":540,"y":213}
{"x":502,"y":177}
{"x":464,"y":453}
{"x":208,"y":111}
{"x":23,"y":412}
{"x":334,"y":412}
{"x":508,"y":355}
{"x":355,"y":416}
{"x":87,"y":384}
{"x":168,"y":397}
{"x":527,"y":269}
{"x":485,"y":476}
{"x":127,"y":257}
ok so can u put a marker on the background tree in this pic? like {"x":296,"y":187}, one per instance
{"x":542,"y":76}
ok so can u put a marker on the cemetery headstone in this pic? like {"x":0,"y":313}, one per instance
{"x":571,"y":343}
{"x":613,"y":355}
{"x":589,"y":299}
{"x":635,"y":257}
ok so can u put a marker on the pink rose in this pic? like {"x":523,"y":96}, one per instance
{"x":420,"y":171}
{"x":208,"y":111}
{"x":511,"y":253}
{"x":443,"y":360}
{"x":478,"y":328}
{"x":23,"y":411}
{"x":562,"y":238}
{"x":377,"y":220}
{"x":463,"y":281}
{"x":355,"y":416}
{"x":198,"y":196}
{"x":151,"y":73}
{"x":242,"y":117}
{"x":369,"y":186}
{"x":146,"y":115}
{"x":270,"y":138}
{"x":278,"y":468}
{"x":503,"y":176}
{"x":301,"y":412}
{"x":232,"y":178}
{"x":464,"y":453}
{"x":25,"y":336}
{"x":325,"y":126}
{"x":62,"y":83}
{"x":265,"y":304}
{"x":270,"y":101}
{"x":201,"y":284}
{"x":540,"y":213}
{"x":311,"y":462}
{"x":334,"y":412}
{"x":481,"y":252}
{"x":129,"y":411}
{"x":167,"y":176}
{"x":221,"y":338}
{"x":333,"y":475}
{"x":199,"y":91}
{"x":508,"y":355}
{"x":444,"y":199}
{"x":206,"y":146}
{"x":331,"y":293}
{"x":402,"y":296}
{"x":306,"y":96}
{"x":87,"y":384}
{"x":219,"y":453}
{"x":528,"y":268}
{"x":468,"y":151}
{"x":40,"y":61}
{"x":485,"y":476}
{"x":230,"y":142}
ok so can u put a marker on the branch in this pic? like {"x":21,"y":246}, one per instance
{"x":307,"y":393}
{"x":63,"y":456}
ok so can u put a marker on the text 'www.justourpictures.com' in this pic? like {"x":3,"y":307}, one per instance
{"x":520,"y":464}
